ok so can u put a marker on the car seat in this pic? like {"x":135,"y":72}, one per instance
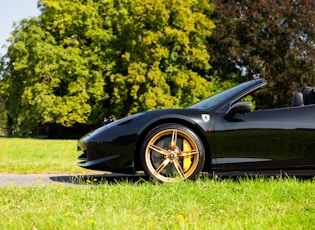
{"x":308,"y":95}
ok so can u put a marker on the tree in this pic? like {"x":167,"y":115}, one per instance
{"x":82,"y":60}
{"x":273,"y":39}
{"x":3,"y":117}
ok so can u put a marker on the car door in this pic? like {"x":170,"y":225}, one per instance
{"x":266,"y":140}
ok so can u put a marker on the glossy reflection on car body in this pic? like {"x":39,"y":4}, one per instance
{"x":217,"y":135}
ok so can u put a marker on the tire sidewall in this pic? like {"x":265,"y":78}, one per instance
{"x":182,"y":128}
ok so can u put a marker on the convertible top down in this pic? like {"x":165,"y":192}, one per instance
{"x":219,"y":134}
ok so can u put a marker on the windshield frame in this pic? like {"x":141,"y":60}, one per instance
{"x":229,"y":96}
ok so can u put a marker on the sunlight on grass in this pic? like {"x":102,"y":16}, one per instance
{"x":259,"y":203}
{"x":93,"y":203}
{"x":26,"y":155}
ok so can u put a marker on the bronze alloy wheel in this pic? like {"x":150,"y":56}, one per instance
{"x":173,"y":152}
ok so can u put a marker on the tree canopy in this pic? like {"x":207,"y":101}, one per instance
{"x":82,"y":60}
{"x":273,"y":39}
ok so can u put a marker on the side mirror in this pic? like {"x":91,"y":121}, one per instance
{"x":240,"y":107}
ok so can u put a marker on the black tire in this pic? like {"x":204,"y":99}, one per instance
{"x":172,"y":152}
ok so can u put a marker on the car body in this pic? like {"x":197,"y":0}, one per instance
{"x":220,"y":134}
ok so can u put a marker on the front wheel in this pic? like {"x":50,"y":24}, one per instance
{"x":172,"y":152}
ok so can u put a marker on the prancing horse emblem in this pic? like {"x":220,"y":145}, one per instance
{"x":205,"y":117}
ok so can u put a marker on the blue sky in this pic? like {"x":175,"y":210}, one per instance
{"x":14,"y":11}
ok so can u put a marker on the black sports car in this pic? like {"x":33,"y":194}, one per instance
{"x":218,"y":134}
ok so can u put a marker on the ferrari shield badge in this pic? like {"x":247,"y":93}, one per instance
{"x":205,"y":117}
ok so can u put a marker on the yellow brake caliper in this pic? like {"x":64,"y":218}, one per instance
{"x":187,"y":159}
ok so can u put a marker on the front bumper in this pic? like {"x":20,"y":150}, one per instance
{"x":94,"y":159}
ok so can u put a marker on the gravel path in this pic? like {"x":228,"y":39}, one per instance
{"x":68,"y":180}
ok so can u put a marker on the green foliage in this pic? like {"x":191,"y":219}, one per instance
{"x":3,"y":118}
{"x":82,"y":60}
{"x":270,"y":39}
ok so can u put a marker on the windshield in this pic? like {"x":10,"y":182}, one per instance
{"x":221,"y":97}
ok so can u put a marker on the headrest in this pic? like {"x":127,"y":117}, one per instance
{"x":297,"y":99}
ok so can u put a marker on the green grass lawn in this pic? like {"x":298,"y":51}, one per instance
{"x":260,"y":203}
{"x":208,"y":203}
{"x":26,"y":155}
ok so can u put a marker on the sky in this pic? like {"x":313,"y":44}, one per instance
{"x":14,"y":11}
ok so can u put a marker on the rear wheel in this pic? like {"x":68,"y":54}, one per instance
{"x":172,"y":152}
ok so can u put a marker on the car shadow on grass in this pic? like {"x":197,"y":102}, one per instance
{"x":99,"y":178}
{"x":115,"y":178}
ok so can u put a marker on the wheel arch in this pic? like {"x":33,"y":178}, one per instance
{"x":179,"y":121}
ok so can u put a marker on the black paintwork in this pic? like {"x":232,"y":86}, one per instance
{"x":265,"y":141}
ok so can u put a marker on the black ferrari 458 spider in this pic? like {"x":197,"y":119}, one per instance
{"x":221,"y":134}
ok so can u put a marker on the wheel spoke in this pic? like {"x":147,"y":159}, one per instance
{"x":172,"y":153}
{"x":174,"y":140}
{"x":179,"y":169}
{"x":159,"y":149}
{"x":187,"y":153}
{"x":162,"y":166}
